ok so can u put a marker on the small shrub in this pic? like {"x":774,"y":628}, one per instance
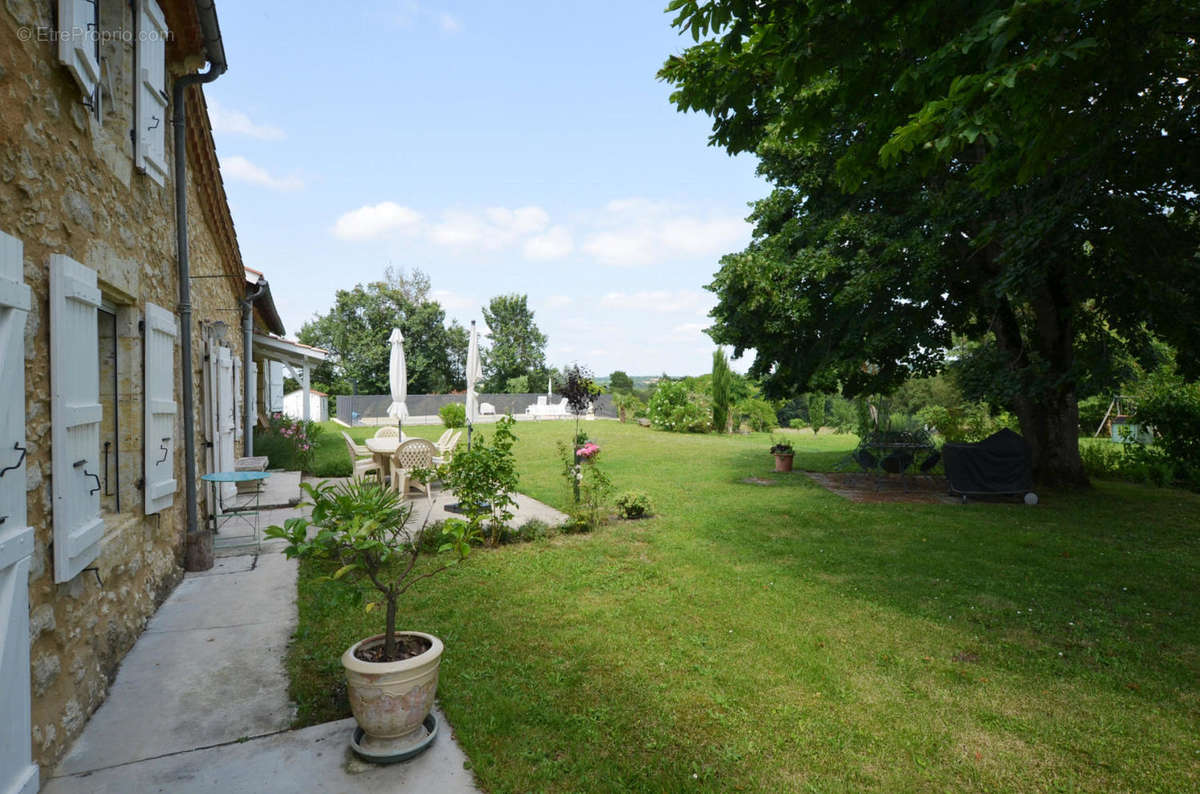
{"x":797,"y":422}
{"x":534,"y":529}
{"x":633,"y":504}
{"x":453,"y":415}
{"x":756,"y":413}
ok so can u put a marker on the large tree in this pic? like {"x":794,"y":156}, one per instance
{"x":356,"y":330}
{"x":1022,"y":173}
{"x":518,"y":347}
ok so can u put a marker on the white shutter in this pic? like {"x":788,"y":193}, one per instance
{"x":225,"y":420}
{"x":275,"y":395}
{"x":75,"y":415}
{"x":151,"y":127}
{"x":161,"y":409}
{"x":18,"y":773}
{"x":253,"y":395}
{"x":77,"y":42}
{"x":239,"y":397}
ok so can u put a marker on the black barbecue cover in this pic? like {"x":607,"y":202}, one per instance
{"x":1000,"y":464}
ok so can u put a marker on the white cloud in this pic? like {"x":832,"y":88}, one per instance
{"x":455,"y":302}
{"x":227,"y":120}
{"x":554,"y":244}
{"x":410,"y":13}
{"x":663,"y":301}
{"x":241,"y":169}
{"x":377,"y":220}
{"x":689,"y":332}
{"x":637,"y":231}
{"x":558,"y":301}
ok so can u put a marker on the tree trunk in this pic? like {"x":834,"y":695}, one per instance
{"x":389,"y":639}
{"x":1046,"y":404}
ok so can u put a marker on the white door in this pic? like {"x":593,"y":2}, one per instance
{"x":226,"y":424}
{"x":18,"y":773}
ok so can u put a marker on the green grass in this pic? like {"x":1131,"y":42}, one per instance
{"x":780,"y":638}
{"x":330,"y":458}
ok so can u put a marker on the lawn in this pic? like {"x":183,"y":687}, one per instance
{"x":780,"y":638}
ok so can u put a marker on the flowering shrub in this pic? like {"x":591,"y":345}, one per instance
{"x":672,"y":407}
{"x":300,"y":436}
{"x":590,"y":486}
{"x":588,"y":451}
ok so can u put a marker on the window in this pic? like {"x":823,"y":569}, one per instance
{"x":110,"y":423}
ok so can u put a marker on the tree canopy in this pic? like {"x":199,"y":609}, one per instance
{"x":356,"y":331}
{"x":517,"y":348}
{"x":1022,"y":174}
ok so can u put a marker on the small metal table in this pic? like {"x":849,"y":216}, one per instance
{"x":216,"y":478}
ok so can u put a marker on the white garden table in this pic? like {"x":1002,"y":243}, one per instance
{"x":382,"y":449}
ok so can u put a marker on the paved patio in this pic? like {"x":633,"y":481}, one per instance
{"x":201,"y":703}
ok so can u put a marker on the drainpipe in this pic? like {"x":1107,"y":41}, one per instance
{"x":247,"y":362}
{"x":198,"y":553}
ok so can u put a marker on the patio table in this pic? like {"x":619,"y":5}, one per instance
{"x":214,"y":479}
{"x":382,"y":449}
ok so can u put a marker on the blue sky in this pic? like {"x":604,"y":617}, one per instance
{"x":497,"y":146}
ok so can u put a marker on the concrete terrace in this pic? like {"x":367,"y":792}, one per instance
{"x":201,"y":701}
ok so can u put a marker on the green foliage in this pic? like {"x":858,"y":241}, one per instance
{"x":518,"y":347}
{"x":620,"y":382}
{"x":816,"y":412}
{"x":590,"y":487}
{"x":484,"y":479}
{"x":361,"y":527}
{"x":757,"y":413}
{"x":453,"y":415}
{"x":298,"y":438}
{"x":781,"y":446}
{"x":939,"y":174}
{"x":356,"y":331}
{"x":721,"y":399}
{"x":628,"y":405}
{"x":1172,"y":406}
{"x":517,"y":385}
{"x":1092,"y":411}
{"x":633,"y":504}
{"x":673,"y":407}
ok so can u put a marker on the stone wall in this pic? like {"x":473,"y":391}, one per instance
{"x":68,"y":186}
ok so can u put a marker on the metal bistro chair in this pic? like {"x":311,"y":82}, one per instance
{"x":416,"y":453}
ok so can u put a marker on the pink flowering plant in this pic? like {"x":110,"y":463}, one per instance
{"x":589,"y":451}
{"x":300,"y":436}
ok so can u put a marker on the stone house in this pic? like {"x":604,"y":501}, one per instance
{"x":110,"y":361}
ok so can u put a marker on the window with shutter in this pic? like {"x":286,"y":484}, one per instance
{"x":161,"y":409}
{"x":78,"y":42}
{"x":18,"y":773}
{"x":75,"y":417}
{"x":150,"y":126}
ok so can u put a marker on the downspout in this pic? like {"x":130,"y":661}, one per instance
{"x":198,"y":552}
{"x":248,"y":406}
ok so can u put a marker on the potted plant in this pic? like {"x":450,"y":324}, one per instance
{"x":391,"y":677}
{"x":783,"y":452}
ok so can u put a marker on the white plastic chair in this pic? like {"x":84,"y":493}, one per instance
{"x":388,"y":431}
{"x":416,"y":453}
{"x":362,"y":466}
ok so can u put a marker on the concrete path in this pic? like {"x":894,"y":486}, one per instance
{"x":200,"y":704}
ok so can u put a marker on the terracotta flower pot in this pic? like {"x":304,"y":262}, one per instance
{"x":390,"y":700}
{"x":783,"y":462}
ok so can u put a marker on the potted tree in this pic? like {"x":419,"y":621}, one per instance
{"x":391,"y":677}
{"x":783,"y":452}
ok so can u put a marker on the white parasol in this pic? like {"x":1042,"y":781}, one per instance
{"x":398,"y":378}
